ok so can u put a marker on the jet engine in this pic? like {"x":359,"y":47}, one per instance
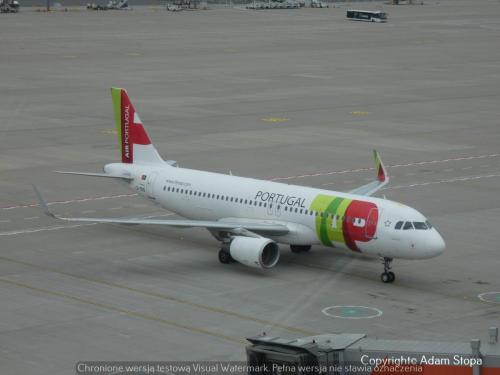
{"x":255,"y":252}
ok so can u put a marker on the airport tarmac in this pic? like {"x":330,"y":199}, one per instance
{"x":299,"y":96}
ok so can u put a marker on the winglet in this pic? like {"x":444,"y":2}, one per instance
{"x":43,"y":204}
{"x":382,"y":175}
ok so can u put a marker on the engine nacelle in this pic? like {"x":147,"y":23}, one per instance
{"x":254,"y":252}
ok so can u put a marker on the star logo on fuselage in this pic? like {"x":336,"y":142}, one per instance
{"x":387,"y":223}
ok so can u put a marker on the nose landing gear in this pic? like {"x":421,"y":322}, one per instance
{"x":387,"y":276}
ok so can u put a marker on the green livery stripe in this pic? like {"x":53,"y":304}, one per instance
{"x":116,"y":94}
{"x":338,"y":234}
{"x":319,"y":203}
{"x":331,"y":207}
{"x":376,"y":157}
{"x":327,"y":221}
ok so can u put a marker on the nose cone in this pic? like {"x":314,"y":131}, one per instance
{"x":436,"y":244}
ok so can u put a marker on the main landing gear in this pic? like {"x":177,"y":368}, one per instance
{"x":387,"y":276}
{"x":300,"y":248}
{"x":225,"y":257}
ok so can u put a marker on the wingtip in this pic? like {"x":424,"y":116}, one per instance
{"x":379,"y":166}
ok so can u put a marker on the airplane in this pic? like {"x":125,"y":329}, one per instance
{"x":250,"y":217}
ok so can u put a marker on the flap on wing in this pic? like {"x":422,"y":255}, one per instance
{"x":380,"y":182}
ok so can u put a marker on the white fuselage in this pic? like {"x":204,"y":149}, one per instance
{"x":313,"y":216}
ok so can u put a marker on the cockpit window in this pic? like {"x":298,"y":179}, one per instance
{"x":428,"y":224}
{"x":419,"y":225}
{"x":408,"y":225}
{"x":399,"y":224}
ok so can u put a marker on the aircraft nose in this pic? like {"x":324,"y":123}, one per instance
{"x":436,"y":244}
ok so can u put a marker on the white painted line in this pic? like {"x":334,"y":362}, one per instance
{"x":78,"y":200}
{"x":468,"y":178}
{"x":36,"y":230}
{"x":32,"y":218}
{"x":115,"y":208}
{"x":5,"y":221}
{"x":327,"y":173}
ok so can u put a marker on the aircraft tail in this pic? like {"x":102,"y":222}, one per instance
{"x":134,"y":141}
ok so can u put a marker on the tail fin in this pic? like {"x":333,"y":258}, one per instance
{"x":136,"y":146}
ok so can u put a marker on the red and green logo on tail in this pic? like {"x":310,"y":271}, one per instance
{"x":128,"y":125}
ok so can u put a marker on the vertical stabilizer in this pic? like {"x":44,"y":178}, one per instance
{"x":135,"y":144}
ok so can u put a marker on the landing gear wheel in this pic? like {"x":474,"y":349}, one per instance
{"x":387,"y":276}
{"x":300,"y":248}
{"x":225,"y":257}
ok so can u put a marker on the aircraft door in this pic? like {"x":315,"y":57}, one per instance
{"x":150,"y":184}
{"x":371,"y":223}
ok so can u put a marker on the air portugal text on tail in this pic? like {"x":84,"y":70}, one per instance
{"x":136,"y":146}
{"x":251,"y":217}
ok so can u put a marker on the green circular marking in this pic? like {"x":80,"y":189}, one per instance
{"x":493,"y":297}
{"x":352,"y":312}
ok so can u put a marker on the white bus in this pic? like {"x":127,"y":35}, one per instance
{"x":367,"y":15}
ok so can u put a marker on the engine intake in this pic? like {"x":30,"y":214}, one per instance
{"x":255,"y":252}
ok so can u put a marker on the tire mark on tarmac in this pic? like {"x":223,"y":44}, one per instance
{"x":164,"y":297}
{"x":135,"y":314}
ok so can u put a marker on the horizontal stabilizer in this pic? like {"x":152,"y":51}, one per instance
{"x":108,"y":175}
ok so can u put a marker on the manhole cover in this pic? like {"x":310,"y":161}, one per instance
{"x":352,"y":312}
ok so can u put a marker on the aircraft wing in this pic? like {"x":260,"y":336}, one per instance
{"x":380,"y":182}
{"x":237,"y":226}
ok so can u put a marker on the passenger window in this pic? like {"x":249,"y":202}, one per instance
{"x":241,"y":200}
{"x":260,"y":204}
{"x":399,"y":224}
{"x":246,"y":201}
{"x":408,"y":225}
{"x":265,"y":204}
{"x":164,"y":188}
{"x":286,"y":208}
